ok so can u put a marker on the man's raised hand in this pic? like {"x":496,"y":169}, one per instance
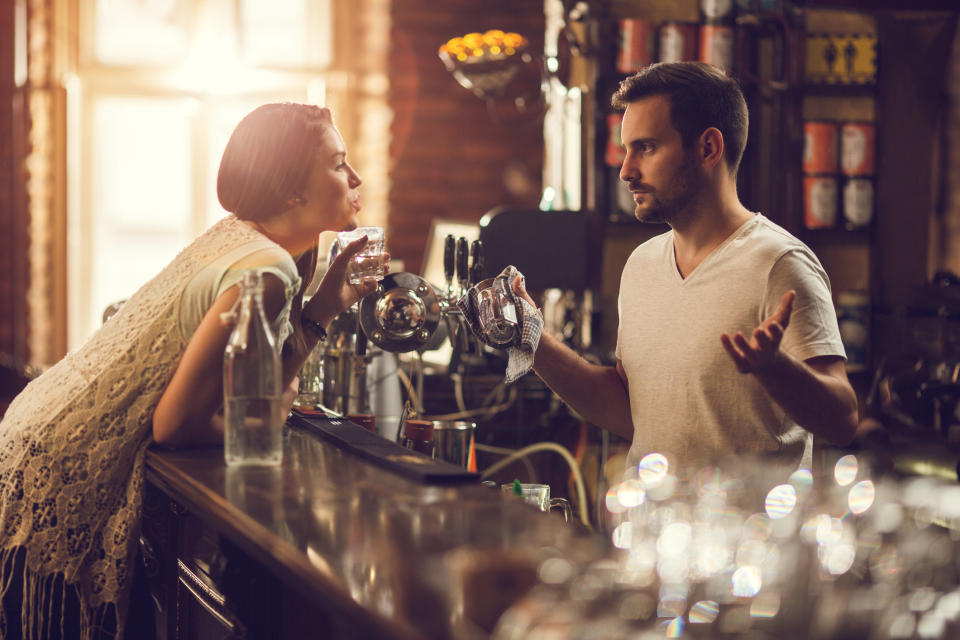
{"x":763,"y":347}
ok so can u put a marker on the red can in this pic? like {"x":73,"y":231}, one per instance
{"x":819,"y":202}
{"x":820,"y":146}
{"x":716,"y":46}
{"x":857,"y":202}
{"x":858,"y":148}
{"x":678,"y":41}
{"x":615,"y":152}
{"x":366,"y":420}
{"x":636,"y":45}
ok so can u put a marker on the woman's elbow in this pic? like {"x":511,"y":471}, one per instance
{"x":162,"y":436}
{"x":167,"y":428}
{"x":188,"y":431}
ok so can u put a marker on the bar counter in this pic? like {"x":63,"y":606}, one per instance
{"x":332,"y":541}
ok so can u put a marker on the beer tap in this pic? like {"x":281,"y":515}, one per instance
{"x":476,"y":262}
{"x":463,"y":271}
{"x":449,"y":266}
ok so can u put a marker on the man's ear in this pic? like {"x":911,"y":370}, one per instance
{"x":711,"y":147}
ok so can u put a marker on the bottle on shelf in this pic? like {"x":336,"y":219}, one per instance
{"x":252,"y":386}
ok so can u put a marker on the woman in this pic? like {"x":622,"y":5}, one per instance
{"x":72,"y":444}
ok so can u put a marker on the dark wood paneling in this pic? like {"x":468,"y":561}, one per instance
{"x":890,"y":5}
{"x":913,"y":61}
{"x":448,"y":157}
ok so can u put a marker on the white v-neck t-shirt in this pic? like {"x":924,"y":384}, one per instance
{"x":687,"y":399}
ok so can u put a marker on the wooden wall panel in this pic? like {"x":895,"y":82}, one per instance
{"x":448,"y":158}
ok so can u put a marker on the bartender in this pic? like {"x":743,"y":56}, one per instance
{"x":728,"y":340}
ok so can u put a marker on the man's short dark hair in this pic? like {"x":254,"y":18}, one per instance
{"x":701,"y":96}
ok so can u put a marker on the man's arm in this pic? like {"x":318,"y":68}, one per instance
{"x":815,"y":393}
{"x":596,"y":392}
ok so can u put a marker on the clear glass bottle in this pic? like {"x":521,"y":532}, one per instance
{"x":252,"y":398}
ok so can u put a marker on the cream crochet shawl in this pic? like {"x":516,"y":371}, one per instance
{"x":72,"y":447}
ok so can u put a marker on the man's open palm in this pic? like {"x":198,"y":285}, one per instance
{"x":761,"y":350}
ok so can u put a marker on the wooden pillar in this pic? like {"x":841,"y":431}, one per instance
{"x":45,"y":177}
{"x":14,"y":239}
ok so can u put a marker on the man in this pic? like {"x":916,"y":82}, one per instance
{"x":728,"y":340}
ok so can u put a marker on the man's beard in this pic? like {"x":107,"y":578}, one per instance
{"x":682,"y":190}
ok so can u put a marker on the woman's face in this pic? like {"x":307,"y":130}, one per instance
{"x":331,"y":196}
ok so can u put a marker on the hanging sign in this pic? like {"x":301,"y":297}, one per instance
{"x":836,"y":58}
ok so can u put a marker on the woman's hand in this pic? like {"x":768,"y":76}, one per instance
{"x":335,"y":294}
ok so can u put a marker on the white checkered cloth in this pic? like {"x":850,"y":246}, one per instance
{"x":520,"y":357}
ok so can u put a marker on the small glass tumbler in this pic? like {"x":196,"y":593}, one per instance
{"x":310,"y":393}
{"x":369,"y":263}
{"x":496,"y":312}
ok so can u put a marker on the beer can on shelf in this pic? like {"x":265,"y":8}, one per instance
{"x":853,"y":318}
{"x":819,"y":202}
{"x":716,"y":9}
{"x":636,"y":45}
{"x":858,"y":148}
{"x":678,"y":41}
{"x":820,"y":143}
{"x":716,"y":45}
{"x":858,"y":202}
{"x":615,"y":153}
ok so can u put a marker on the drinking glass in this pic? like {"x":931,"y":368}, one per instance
{"x":369,"y":263}
{"x":496,"y":312}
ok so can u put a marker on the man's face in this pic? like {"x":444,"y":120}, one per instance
{"x":661,"y":174}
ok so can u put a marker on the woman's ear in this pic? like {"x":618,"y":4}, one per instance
{"x":711,"y":147}
{"x":296,"y":201}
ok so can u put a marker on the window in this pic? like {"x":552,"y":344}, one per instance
{"x":160,"y":85}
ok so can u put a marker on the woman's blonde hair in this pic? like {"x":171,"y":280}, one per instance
{"x":269,"y":157}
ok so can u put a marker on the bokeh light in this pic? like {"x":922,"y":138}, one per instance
{"x":704,"y":612}
{"x":845,"y":470}
{"x":631,"y":493}
{"x":623,"y":535}
{"x":747,"y":582}
{"x":653,"y":469}
{"x":861,"y":496}
{"x":612,"y":500}
{"x":781,"y":500}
